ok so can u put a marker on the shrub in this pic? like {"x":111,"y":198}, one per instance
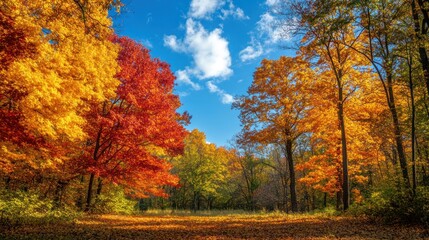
{"x":21,"y":207}
{"x":114,"y":201}
{"x":392,"y":205}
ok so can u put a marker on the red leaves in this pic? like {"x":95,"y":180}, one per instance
{"x":13,"y":45}
{"x":125,"y":131}
{"x":13,"y":42}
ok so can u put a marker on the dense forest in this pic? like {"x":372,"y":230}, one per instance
{"x":89,"y":121}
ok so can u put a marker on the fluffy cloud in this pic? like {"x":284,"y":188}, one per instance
{"x":272,"y":3}
{"x":225,"y":97}
{"x":269,"y":31}
{"x":172,"y":42}
{"x":269,"y":27}
{"x":233,"y":11}
{"x":209,"y":51}
{"x":183,"y":77}
{"x":252,"y":51}
{"x":212,"y":88}
{"x":203,"y":8}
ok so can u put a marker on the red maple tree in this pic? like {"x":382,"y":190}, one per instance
{"x":130,"y":135}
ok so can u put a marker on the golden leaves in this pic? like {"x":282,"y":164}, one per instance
{"x":71,"y":66}
{"x":217,"y":227}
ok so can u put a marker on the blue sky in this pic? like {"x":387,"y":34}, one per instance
{"x":213,"y":47}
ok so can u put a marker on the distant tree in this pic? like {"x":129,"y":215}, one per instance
{"x":202,"y":169}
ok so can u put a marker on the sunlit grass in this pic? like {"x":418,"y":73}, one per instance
{"x":327,"y":212}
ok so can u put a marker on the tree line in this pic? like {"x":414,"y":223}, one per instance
{"x":345,"y":120}
{"x":86,"y":113}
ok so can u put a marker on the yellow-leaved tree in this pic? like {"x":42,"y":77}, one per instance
{"x":74,"y":63}
{"x":58,"y":58}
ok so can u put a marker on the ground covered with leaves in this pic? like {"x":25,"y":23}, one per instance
{"x":214,"y":227}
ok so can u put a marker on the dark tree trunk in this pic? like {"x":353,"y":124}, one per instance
{"x":313,"y":200}
{"x":58,"y":193}
{"x":210,"y":201}
{"x":345,"y":177}
{"x":99,"y":187}
{"x":398,"y":133}
{"x":325,"y":196}
{"x":89,"y":193}
{"x":338,"y":201}
{"x":195,"y":201}
{"x":7,"y":182}
{"x":413,"y":122}
{"x":289,"y":156}
{"x":307,"y":201}
{"x":419,"y":31}
{"x":425,"y":177}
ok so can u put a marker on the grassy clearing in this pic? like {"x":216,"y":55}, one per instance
{"x":328,"y":212}
{"x":213,"y":225}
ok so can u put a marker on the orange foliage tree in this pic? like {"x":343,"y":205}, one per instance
{"x":345,"y":104}
{"x":14,"y":46}
{"x":275,"y":108}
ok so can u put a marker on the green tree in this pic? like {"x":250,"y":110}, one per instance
{"x":202,"y":169}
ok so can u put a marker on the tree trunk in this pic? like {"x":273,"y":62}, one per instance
{"x":338,"y":201}
{"x":313,"y":200}
{"x":199,"y":202}
{"x":58,"y":194}
{"x":398,"y":133}
{"x":99,"y":188}
{"x":286,"y":197}
{"x":289,"y":156}
{"x":422,"y":50}
{"x":307,"y":201}
{"x":89,"y":193}
{"x":7,"y":182}
{"x":425,"y":177}
{"x":195,"y":202}
{"x":345,"y":182}
{"x":413,"y":122}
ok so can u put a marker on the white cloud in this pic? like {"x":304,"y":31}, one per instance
{"x":172,"y":42}
{"x":272,"y":3}
{"x":272,"y":29}
{"x":209,"y":51}
{"x":233,"y":11}
{"x":183,"y":77}
{"x":225,"y":97}
{"x":203,"y":8}
{"x":212,"y":88}
{"x":252,"y":51}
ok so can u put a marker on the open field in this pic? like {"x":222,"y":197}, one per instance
{"x":215,"y":227}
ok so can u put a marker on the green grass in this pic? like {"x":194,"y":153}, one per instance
{"x":328,"y":212}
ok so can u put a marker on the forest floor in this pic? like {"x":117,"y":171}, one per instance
{"x":215,"y":227}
